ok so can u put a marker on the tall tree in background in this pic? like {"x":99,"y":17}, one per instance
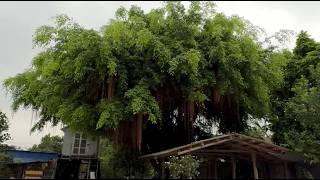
{"x":296,"y":104}
{"x":4,"y":127}
{"x":5,"y":171}
{"x":165,"y":75}
{"x":49,"y":144}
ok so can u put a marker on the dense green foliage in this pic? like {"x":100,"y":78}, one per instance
{"x":4,"y":127}
{"x":117,"y":162}
{"x":5,"y":171}
{"x":170,"y":66}
{"x":296,"y":104}
{"x":48,"y":144}
{"x":185,"y":167}
{"x":176,"y":70}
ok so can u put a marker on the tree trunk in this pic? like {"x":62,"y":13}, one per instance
{"x":190,"y":119}
{"x":110,"y":88}
{"x":216,"y":95}
{"x":139,"y":131}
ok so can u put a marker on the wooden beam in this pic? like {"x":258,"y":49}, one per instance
{"x":234,"y":166}
{"x":173,"y":151}
{"x":279,"y":148}
{"x":254,"y":165}
{"x":258,"y":143}
{"x":223,"y":151}
{"x":226,"y":155}
{"x":263,"y":154}
{"x":253,"y":146}
{"x":268,"y":146}
{"x":204,"y":146}
{"x":261,"y":150}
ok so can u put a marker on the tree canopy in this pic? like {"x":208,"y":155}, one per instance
{"x":49,"y":144}
{"x":5,"y":171}
{"x":156,"y":75}
{"x":296,"y":103}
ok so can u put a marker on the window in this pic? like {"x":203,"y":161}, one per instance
{"x":79,"y":144}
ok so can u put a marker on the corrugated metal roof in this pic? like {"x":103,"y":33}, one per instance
{"x":29,"y":156}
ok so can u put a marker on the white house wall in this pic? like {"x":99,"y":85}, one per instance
{"x":68,"y":139}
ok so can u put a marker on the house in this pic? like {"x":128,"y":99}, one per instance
{"x":77,"y":144}
{"x":234,"y":156}
{"x":79,"y":159}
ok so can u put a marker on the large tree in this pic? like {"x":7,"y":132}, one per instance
{"x":296,"y":103}
{"x":5,"y":171}
{"x":49,"y":144}
{"x":4,"y":127}
{"x":169,"y":73}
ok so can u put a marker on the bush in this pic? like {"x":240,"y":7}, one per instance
{"x":185,"y":167}
{"x":5,"y":170}
{"x":120,"y":162}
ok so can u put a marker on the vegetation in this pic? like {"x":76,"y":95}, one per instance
{"x":258,"y":128}
{"x":185,"y":167}
{"x":157,"y":72}
{"x":117,"y":162}
{"x":296,"y":104}
{"x":5,"y":171}
{"x":48,"y":144}
{"x":155,"y":80}
{"x":4,"y":127}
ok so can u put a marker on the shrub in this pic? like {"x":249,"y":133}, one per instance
{"x":185,"y":167}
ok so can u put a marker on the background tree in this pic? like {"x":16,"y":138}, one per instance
{"x":4,"y":135}
{"x":152,"y":75}
{"x":49,"y":144}
{"x":4,"y":127}
{"x":5,"y":171}
{"x":296,"y":104}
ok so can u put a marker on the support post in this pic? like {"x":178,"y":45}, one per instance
{"x":286,"y":172}
{"x":234,"y":166}
{"x":209,"y":174}
{"x":88,"y":170}
{"x":162,"y":169}
{"x":55,"y":164}
{"x":254,"y":165}
{"x":215,"y":176}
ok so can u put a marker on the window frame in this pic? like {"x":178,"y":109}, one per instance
{"x":81,"y":138}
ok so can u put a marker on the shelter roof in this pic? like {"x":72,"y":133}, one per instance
{"x":229,"y":144}
{"x":20,"y":156}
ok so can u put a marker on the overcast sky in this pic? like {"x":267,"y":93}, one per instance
{"x":20,"y":19}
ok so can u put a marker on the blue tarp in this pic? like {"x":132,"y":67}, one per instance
{"x":29,"y":156}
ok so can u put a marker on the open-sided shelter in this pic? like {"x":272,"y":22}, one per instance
{"x":233,"y":156}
